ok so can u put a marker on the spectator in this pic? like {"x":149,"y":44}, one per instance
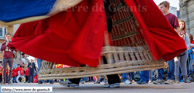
{"x":125,"y":77}
{"x":8,"y":55}
{"x":18,"y":67}
{"x":32,"y":70}
{"x":173,"y":20}
{"x":25,"y":60}
{"x":191,"y":59}
{"x":181,"y":60}
{"x":144,"y":77}
{"x":21,"y":71}
{"x":14,"y":75}
{"x":27,"y":74}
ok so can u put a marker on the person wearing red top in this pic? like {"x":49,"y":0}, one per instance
{"x":192,"y":42}
{"x":173,"y":21}
{"x":14,"y":75}
{"x":191,"y":39}
{"x":27,"y":74}
{"x":21,"y":70}
{"x":32,"y":70}
{"x":8,"y":55}
{"x":191,"y":59}
{"x":17,"y":68}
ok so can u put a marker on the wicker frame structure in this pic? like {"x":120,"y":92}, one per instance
{"x":127,"y":53}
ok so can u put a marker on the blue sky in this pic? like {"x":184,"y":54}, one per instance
{"x":174,"y":3}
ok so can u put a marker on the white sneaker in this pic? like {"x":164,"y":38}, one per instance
{"x":127,"y":82}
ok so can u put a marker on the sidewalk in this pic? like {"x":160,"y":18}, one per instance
{"x":134,"y":88}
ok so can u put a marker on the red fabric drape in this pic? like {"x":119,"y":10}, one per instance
{"x":76,"y":36}
{"x":72,"y":37}
{"x":160,"y":37}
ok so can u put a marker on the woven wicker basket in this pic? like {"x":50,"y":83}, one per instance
{"x":128,"y":53}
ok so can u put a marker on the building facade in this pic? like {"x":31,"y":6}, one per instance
{"x":187,"y":14}
{"x":173,"y":10}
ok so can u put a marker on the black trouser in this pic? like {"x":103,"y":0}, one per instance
{"x":31,"y":75}
{"x":31,"y":78}
{"x":27,"y":78}
{"x":8,"y":61}
{"x":111,"y":78}
{"x":109,"y":24}
{"x":75,"y":80}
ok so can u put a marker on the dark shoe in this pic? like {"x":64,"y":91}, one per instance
{"x":186,"y":79}
{"x":39,"y":82}
{"x":73,"y":85}
{"x":192,"y":78}
{"x":51,"y":82}
{"x":115,"y":85}
{"x":67,"y":83}
{"x":9,"y":82}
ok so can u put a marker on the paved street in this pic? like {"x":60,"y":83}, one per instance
{"x":134,"y":88}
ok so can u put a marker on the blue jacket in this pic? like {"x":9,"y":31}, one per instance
{"x":190,"y":52}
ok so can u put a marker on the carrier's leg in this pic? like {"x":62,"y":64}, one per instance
{"x":113,"y":80}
